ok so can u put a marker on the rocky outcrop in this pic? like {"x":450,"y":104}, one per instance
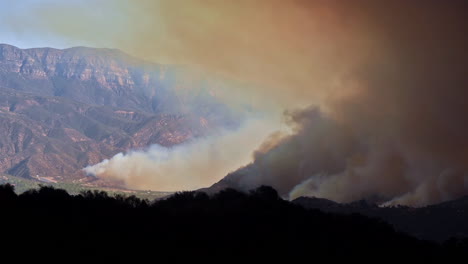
{"x":106,"y":77}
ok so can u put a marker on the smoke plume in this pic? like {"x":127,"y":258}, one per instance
{"x":292,"y":52}
{"x":387,"y":82}
{"x":188,"y":166}
{"x":401,"y":135}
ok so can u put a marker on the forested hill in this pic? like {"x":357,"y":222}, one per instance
{"x":228,"y":225}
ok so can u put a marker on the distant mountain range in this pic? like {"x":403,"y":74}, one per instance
{"x":61,"y":110}
{"x":437,"y":222}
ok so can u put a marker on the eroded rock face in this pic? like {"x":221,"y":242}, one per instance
{"x":61,"y":110}
{"x":105,"y":77}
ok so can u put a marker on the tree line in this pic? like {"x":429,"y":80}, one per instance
{"x":229,"y":225}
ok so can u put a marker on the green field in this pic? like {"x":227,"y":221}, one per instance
{"x":23,"y":184}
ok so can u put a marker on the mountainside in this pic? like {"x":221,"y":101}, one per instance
{"x":62,"y":110}
{"x":437,"y":222}
{"x":107,"y":77}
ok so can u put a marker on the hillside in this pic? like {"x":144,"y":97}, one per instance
{"x":62,"y":110}
{"x":106,"y":77}
{"x":22,"y":185}
{"x":437,"y":222}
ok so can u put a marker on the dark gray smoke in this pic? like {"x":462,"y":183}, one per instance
{"x":402,"y":134}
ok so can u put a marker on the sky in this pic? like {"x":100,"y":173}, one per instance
{"x":25,"y":26}
{"x":16,"y":30}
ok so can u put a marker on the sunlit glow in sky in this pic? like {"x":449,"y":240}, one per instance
{"x":20,"y":27}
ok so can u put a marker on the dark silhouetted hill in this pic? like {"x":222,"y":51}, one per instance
{"x":226,"y":226}
{"x":437,"y":222}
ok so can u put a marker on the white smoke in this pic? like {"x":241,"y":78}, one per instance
{"x":195,"y":164}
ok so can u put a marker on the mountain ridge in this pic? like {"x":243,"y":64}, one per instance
{"x":62,"y":110}
{"x":437,"y":222}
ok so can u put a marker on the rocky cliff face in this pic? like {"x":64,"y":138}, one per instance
{"x":104,"y":77}
{"x":61,"y":110}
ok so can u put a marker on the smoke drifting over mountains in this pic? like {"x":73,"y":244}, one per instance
{"x":387,"y":82}
{"x":187,"y":166}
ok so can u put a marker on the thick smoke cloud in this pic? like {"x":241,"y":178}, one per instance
{"x":387,"y":81}
{"x":401,"y":137}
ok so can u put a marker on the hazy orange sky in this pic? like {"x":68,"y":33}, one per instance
{"x":294,"y":52}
